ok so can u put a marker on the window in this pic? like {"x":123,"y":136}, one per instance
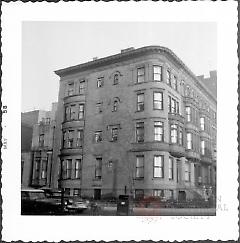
{"x":72,"y":112}
{"x":67,"y":113}
{"x":173,"y":105}
{"x":158,"y":171}
{"x":203,"y":147}
{"x":37,"y":169}
{"x":82,"y":87}
{"x":157,"y":73}
{"x":79,"y":138}
{"x":98,"y":136}
{"x":81,"y":111}
{"x":100,"y":82}
{"x":170,"y":194}
{"x":44,"y":169}
{"x":168,"y":77}
{"x":70,"y":89}
{"x":139,"y":194}
{"x":99,"y":107}
{"x":70,"y":138}
{"x":140,"y":166}
{"x":180,"y":138}
{"x":173,"y":132}
{"x":76,"y":192}
{"x":158,"y":100}
{"x":189,"y":141}
{"x":41,"y":140}
{"x":140,"y":74}
{"x":202,"y":123}
{"x":140,"y":102}
{"x":68,"y":169}
{"x":98,"y":168}
{"x":170,"y":169}
{"x":158,"y":131}
{"x":139,"y":132}
{"x":115,"y":105}
{"x":174,"y":82}
{"x":77,"y":169}
{"x":115,"y":79}
{"x":67,"y":191}
{"x":114,"y":134}
{"x":188,"y":113}
{"x":158,"y":193}
{"x":187,"y":171}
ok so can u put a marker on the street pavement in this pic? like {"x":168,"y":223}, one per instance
{"x":112,"y":211}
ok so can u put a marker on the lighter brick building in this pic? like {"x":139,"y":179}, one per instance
{"x":139,"y":122}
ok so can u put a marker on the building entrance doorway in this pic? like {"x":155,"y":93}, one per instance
{"x":97,"y":194}
{"x":182,"y":196}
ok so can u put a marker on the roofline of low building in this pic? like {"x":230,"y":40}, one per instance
{"x":127,"y":55}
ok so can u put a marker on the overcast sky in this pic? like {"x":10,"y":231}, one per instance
{"x":48,"y":46}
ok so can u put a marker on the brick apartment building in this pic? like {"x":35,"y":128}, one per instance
{"x":139,"y":122}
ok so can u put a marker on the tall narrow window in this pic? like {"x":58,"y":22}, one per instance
{"x":44,"y":169}
{"x":202,"y":147}
{"x":158,"y":131}
{"x":100,"y":82}
{"x":157,"y":73}
{"x":180,"y":138}
{"x":70,"y":89}
{"x":140,"y":166}
{"x":189,"y":141}
{"x":157,"y":100}
{"x":139,"y":132}
{"x":173,"y":131}
{"x":187,"y":171}
{"x":115,"y":78}
{"x":81,"y":111}
{"x":99,"y":107}
{"x":115,"y":105}
{"x":79,"y":138}
{"x":140,"y":102}
{"x":170,"y":169}
{"x":67,"y":113}
{"x":140,"y":75}
{"x":82,"y":87}
{"x":37,"y":169}
{"x":70,"y":138}
{"x":188,"y":113}
{"x":77,"y":169}
{"x":174,"y":82}
{"x":98,"y":136}
{"x":68,"y":169}
{"x":169,"y":104}
{"x":41,"y":140}
{"x":202,"y":123}
{"x":168,"y":77}
{"x":72,"y":112}
{"x":114,"y":134}
{"x":158,"y":166}
{"x":98,"y":168}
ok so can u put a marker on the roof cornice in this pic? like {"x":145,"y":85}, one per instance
{"x":128,"y":55}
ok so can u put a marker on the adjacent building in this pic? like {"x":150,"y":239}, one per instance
{"x":42,"y":149}
{"x":139,"y":122}
{"x":37,"y":133}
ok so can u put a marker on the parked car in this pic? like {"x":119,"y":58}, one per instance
{"x":76,"y":204}
{"x":35,"y":202}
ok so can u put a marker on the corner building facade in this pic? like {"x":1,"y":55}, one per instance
{"x":140,"y":123}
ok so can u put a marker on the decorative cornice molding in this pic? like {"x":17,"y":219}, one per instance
{"x":133,"y":54}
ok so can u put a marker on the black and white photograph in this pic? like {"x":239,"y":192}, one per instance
{"x":122,"y":118}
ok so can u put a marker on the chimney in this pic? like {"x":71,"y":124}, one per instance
{"x":127,"y":49}
{"x":95,"y":58}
